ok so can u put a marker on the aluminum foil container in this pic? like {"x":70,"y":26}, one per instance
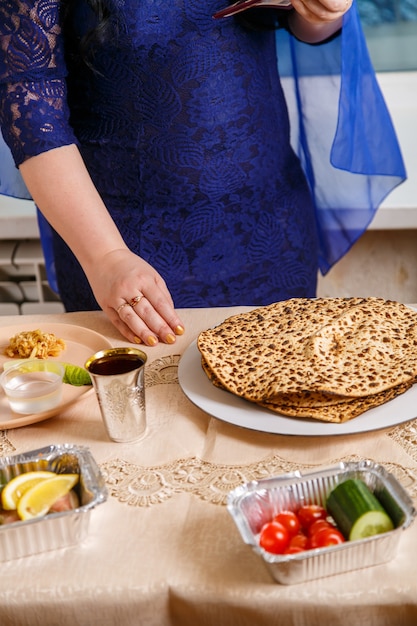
{"x":55,"y":530}
{"x":253,"y":504}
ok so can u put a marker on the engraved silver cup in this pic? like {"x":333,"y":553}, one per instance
{"x":118,"y":377}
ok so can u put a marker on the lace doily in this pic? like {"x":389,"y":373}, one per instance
{"x":405,"y":435}
{"x":140,"y":486}
{"x":163,"y":371}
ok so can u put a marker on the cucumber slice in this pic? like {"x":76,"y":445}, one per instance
{"x":369,"y":524}
{"x":356,"y":511}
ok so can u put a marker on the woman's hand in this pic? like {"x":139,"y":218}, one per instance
{"x":135,"y":298}
{"x":313,"y":21}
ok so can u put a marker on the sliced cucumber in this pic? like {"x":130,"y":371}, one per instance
{"x":356,"y":511}
{"x":369,"y":524}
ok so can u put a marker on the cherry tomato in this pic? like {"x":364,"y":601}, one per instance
{"x":290,"y":520}
{"x":309,"y":513}
{"x":274,"y":538}
{"x":317,"y":525}
{"x":299,"y":541}
{"x":325,"y":537}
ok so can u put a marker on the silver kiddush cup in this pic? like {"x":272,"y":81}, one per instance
{"x":118,"y":377}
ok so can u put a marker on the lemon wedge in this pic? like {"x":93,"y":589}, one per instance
{"x":17,"y":486}
{"x":37,"y":500}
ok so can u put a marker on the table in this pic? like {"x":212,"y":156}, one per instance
{"x":163,"y":550}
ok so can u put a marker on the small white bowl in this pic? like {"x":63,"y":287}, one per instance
{"x":33,"y":386}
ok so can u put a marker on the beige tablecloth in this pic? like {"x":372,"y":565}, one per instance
{"x":163,"y":549}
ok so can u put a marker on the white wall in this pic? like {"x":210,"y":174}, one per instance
{"x":399,"y":210}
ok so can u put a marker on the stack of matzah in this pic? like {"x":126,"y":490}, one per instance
{"x":330,"y":359}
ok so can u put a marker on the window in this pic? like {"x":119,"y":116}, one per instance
{"x":391,"y":33}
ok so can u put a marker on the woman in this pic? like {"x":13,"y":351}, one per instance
{"x":156,"y":142}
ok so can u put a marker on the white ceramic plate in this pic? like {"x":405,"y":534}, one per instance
{"x":81,"y":343}
{"x":234,"y":410}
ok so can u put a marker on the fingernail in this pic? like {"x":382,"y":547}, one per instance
{"x":152,"y":341}
{"x":138,"y":340}
{"x":179,"y":330}
{"x":170,"y":338}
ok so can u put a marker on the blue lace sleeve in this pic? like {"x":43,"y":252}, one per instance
{"x":33,"y":104}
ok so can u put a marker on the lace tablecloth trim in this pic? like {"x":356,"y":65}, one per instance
{"x":140,"y":486}
{"x":405,"y":436}
{"x":163,"y":371}
{"x":6,"y":446}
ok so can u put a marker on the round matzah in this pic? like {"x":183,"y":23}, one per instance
{"x":348,"y":346}
{"x":341,"y":411}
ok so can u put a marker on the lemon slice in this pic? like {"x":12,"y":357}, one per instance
{"x":37,"y":500}
{"x":17,"y":486}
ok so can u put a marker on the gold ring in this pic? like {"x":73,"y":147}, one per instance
{"x":136,"y":300}
{"x":119,"y":308}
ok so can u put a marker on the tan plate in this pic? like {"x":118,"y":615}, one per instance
{"x":81,"y":343}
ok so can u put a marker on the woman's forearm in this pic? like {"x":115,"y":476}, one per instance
{"x":63,"y":190}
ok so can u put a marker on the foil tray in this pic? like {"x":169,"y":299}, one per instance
{"x":253,"y":504}
{"x":55,"y":530}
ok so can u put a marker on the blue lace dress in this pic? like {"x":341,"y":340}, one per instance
{"x":184,"y":129}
